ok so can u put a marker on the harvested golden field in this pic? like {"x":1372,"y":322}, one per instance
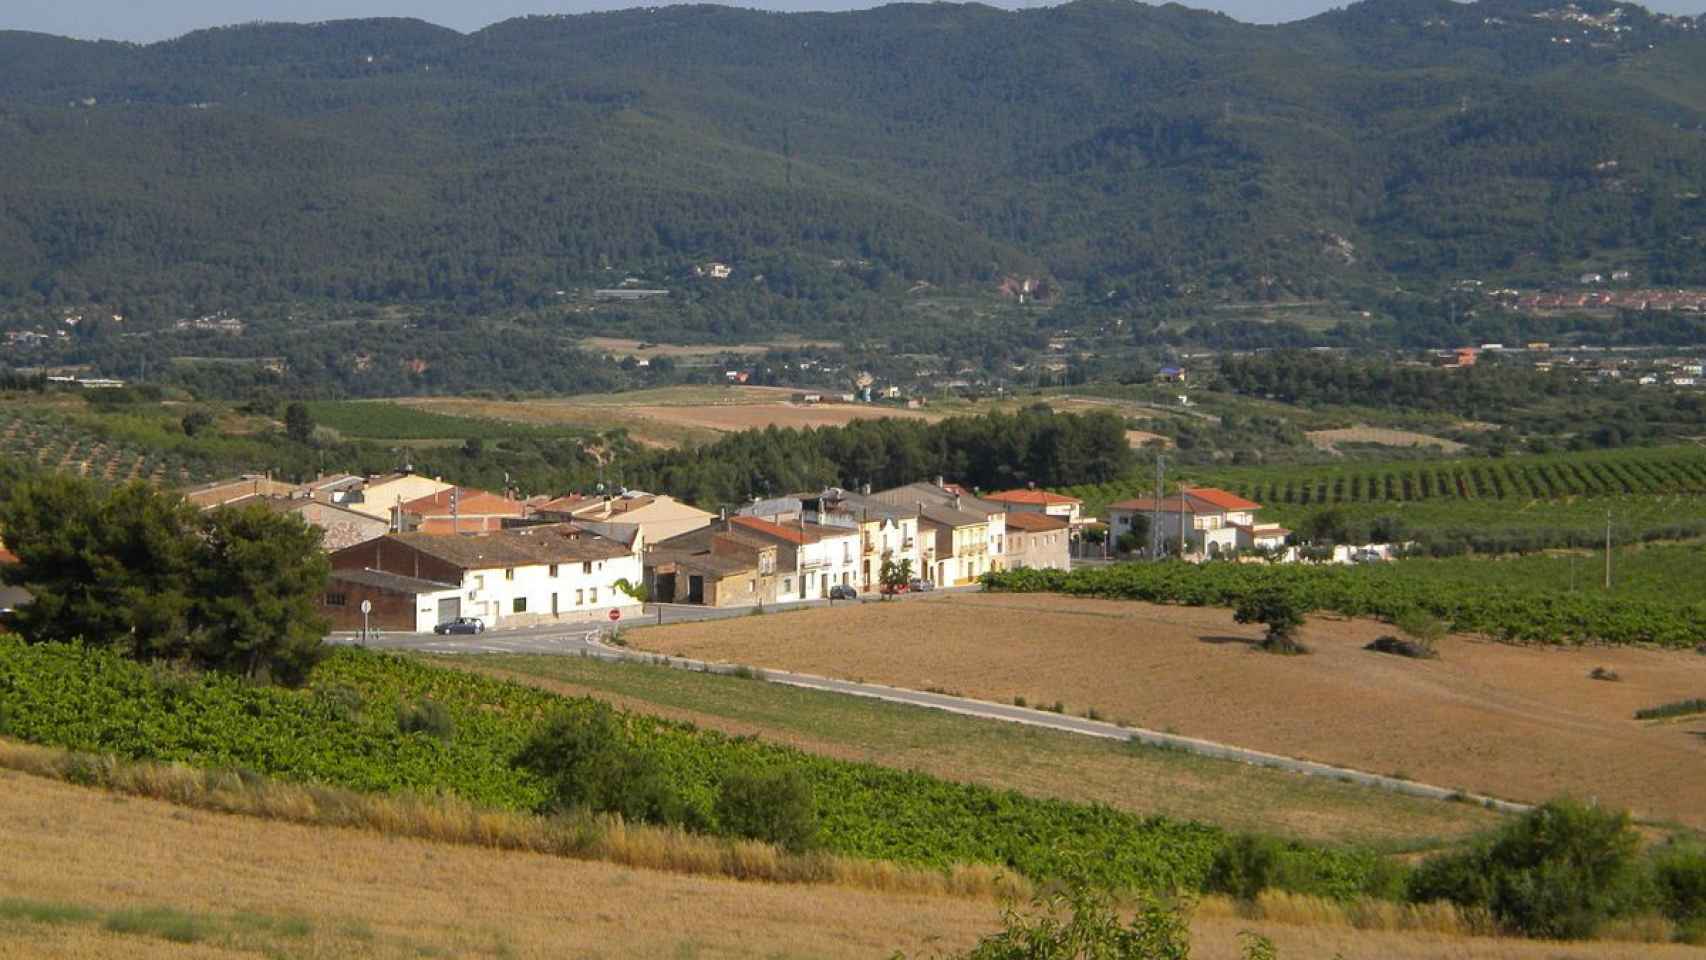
{"x":1330,"y":439}
{"x":1143,"y":438}
{"x":671,"y":416}
{"x":620,"y":347}
{"x":90,"y":874}
{"x":1517,"y":722}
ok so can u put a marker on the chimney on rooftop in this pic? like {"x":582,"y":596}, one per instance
{"x":865,"y":488}
{"x":940,"y":482}
{"x":956,"y":501}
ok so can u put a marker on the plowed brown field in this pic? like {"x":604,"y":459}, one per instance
{"x":1518,"y":722}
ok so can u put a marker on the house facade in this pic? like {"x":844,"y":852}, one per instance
{"x":399,"y":604}
{"x":956,"y":545}
{"x":382,"y":495}
{"x":718,"y":566}
{"x":1038,"y":541}
{"x":886,"y":533}
{"x":1210,"y":522}
{"x":823,"y":556}
{"x":939,"y":495}
{"x":525,"y":575}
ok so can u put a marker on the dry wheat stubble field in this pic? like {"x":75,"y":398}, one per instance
{"x":271,"y":889}
{"x":1518,"y":722}
{"x":672,"y":416}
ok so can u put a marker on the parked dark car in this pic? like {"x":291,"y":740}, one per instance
{"x":842,"y":591}
{"x":461,"y":625}
{"x":920,"y":585}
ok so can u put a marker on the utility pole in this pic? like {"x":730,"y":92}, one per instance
{"x":1608,"y":550}
{"x":1155,"y":511}
{"x":1183,"y":507}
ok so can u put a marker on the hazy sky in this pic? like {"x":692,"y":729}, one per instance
{"x":160,"y":19}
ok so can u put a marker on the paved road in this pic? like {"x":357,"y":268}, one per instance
{"x":588,"y":640}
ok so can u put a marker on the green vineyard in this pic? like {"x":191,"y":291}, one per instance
{"x":41,"y":439}
{"x":1659,"y":471}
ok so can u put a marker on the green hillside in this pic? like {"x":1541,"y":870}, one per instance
{"x":1117,"y":152}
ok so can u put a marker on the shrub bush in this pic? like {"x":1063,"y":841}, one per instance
{"x":776,"y":806}
{"x":590,"y":761}
{"x":1560,"y":872}
{"x":1398,"y":646}
{"x":422,"y":716}
{"x":1679,"y":871}
{"x":1244,"y":867}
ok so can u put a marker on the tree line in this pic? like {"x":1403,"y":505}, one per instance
{"x":991,"y":452}
{"x":148,"y":574}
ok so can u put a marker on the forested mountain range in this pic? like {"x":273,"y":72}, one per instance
{"x":1116,"y":152}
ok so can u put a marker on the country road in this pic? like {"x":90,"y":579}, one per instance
{"x":587,"y":640}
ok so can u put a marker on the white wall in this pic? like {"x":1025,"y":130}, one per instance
{"x":491,"y":596}
{"x":835,"y":557}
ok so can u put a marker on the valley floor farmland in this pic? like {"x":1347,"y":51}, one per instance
{"x":671,"y":416}
{"x":1517,"y":722}
{"x":266,"y":888}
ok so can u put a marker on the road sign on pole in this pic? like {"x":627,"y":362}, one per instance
{"x":615,"y":614}
{"x":366,"y":608}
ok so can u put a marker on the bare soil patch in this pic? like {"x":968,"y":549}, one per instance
{"x":671,"y":417}
{"x":1523,"y":723}
{"x":645,"y":350}
{"x":1330,"y":439}
{"x":365,"y":895}
{"x":1143,"y":438}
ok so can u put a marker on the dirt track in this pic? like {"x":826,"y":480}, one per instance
{"x":1517,"y":722}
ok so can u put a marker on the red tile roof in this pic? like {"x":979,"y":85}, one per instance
{"x":7,"y":557}
{"x":1222,"y":499}
{"x":469,"y":503}
{"x":1033,"y":497}
{"x":1196,"y":500}
{"x":794,"y":533}
{"x":1169,"y":504}
{"x":1035,"y":522}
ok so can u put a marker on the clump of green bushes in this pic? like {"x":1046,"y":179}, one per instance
{"x":592,"y":762}
{"x":1566,"y":870}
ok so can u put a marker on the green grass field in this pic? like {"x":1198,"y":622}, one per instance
{"x":1646,"y":491}
{"x":379,"y":420}
{"x":1038,"y":762}
{"x":1671,"y":573}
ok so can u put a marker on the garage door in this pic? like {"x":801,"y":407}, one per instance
{"x":449,"y":609}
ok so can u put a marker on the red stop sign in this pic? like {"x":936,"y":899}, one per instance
{"x":615,"y":614}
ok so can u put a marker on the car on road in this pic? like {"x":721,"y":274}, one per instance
{"x":1367,"y":556}
{"x":920,"y":585}
{"x":842,"y":591}
{"x":460,"y":625}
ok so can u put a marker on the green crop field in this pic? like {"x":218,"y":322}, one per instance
{"x":379,"y":420}
{"x":345,"y":729}
{"x":53,"y":441}
{"x":1667,"y":575}
{"x":1650,"y":493}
